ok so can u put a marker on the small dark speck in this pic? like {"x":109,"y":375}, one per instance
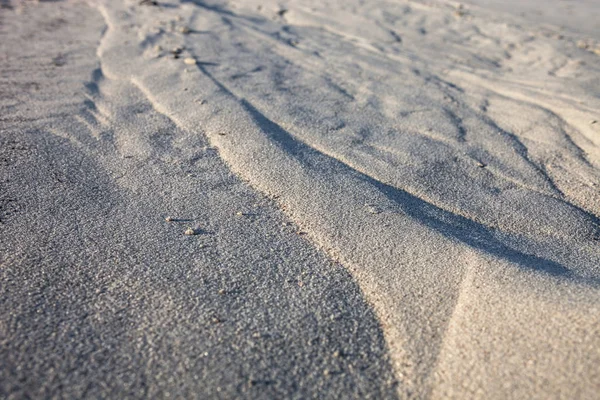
{"x":59,"y":60}
{"x":255,"y":382}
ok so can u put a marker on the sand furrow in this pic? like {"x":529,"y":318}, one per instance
{"x":444,"y":155}
{"x":409,"y":255}
{"x":101,"y":297}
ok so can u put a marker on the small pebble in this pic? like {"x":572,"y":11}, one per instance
{"x":190,"y":231}
{"x":372,"y":209}
{"x":169,"y":219}
{"x":185,"y":30}
{"x":582,"y":44}
{"x":190,"y":61}
{"x":593,"y":122}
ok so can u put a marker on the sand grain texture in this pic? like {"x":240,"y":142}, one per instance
{"x":412,"y":185}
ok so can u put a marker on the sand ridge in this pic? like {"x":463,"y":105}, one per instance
{"x":446,"y":156}
{"x":101,"y":296}
{"x":331,"y":130}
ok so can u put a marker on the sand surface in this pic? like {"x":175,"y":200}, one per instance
{"x":383,"y":199}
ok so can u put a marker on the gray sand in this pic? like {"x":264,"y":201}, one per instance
{"x":380,"y":199}
{"x":100,"y":297}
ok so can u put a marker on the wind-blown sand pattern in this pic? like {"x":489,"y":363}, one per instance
{"x":384,"y":199}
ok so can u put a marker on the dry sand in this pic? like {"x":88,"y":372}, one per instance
{"x":299,"y":199}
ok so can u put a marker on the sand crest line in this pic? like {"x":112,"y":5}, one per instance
{"x":326,"y":196}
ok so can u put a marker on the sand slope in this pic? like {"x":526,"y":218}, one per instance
{"x":446,"y":155}
{"x":100,"y":297}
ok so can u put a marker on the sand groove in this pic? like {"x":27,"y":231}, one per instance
{"x":101,"y":297}
{"x":444,"y":155}
{"x":412,"y":267}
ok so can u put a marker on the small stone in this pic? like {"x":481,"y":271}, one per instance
{"x":372,"y":209}
{"x":59,"y":60}
{"x":593,"y":122}
{"x":582,"y":44}
{"x":185,"y":30}
{"x":190,"y":61}
{"x":169,"y":219}
{"x":221,"y":291}
{"x":190,"y":231}
{"x":239,"y":214}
